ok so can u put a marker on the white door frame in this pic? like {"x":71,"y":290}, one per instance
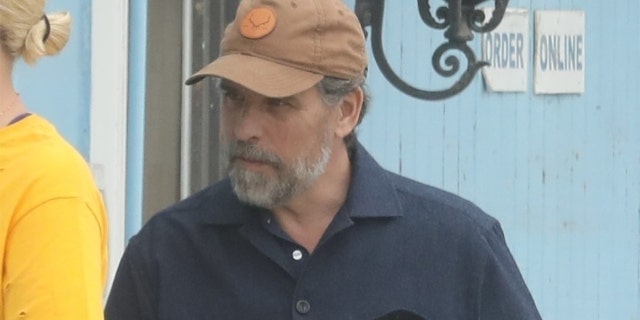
{"x":109,"y":84}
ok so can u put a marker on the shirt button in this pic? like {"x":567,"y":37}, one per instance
{"x":303,"y":306}
{"x":297,"y":255}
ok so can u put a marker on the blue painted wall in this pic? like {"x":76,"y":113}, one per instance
{"x":59,"y":87}
{"x":561,"y":173}
{"x":136,"y":115}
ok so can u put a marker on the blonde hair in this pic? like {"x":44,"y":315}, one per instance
{"x":23,"y":29}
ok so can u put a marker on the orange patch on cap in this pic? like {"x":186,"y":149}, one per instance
{"x":258,"y":23}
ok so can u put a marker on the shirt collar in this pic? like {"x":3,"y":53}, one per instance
{"x":371,"y":195}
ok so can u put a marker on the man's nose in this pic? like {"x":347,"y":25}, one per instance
{"x":248,"y":123}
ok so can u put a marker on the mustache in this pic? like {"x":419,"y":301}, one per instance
{"x":251,"y":152}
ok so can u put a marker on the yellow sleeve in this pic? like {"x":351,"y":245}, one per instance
{"x":54,"y":267}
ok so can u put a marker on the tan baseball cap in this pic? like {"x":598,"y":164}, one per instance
{"x":278,"y":48}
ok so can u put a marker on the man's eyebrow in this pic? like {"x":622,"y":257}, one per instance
{"x":225,"y":85}
{"x":289,"y":99}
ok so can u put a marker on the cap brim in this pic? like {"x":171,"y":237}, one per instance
{"x":265,"y":77}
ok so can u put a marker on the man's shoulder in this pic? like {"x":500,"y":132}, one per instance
{"x":430,"y":204}
{"x":209,"y":205}
{"x":191,"y":206}
{"x":419,"y":203}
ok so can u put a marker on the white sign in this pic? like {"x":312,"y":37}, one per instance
{"x":506,"y":49}
{"x":560,"y":52}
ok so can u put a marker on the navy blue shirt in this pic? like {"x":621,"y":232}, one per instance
{"x":395,"y":246}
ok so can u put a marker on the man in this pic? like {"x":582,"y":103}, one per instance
{"x":308,"y":225}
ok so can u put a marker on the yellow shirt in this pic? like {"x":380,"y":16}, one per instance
{"x":53,"y":227}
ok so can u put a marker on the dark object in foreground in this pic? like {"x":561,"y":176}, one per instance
{"x":401,"y":315}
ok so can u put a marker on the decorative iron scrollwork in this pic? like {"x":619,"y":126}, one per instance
{"x":460,"y":19}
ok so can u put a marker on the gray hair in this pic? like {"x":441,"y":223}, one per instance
{"x":332,"y":90}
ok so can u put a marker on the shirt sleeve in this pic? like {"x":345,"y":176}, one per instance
{"x":131,"y":297}
{"x":503,"y":292}
{"x":54,"y":266}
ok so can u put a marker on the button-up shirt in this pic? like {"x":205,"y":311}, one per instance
{"x":395,"y":246}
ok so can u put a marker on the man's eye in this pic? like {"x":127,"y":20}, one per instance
{"x":231,"y":96}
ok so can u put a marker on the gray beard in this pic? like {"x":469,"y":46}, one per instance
{"x":268,"y":192}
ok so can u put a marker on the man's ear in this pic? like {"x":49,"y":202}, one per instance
{"x":350,"y":109}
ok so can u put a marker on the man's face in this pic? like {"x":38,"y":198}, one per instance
{"x":275,"y":147}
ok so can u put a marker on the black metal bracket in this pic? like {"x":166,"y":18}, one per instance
{"x":460,"y":19}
